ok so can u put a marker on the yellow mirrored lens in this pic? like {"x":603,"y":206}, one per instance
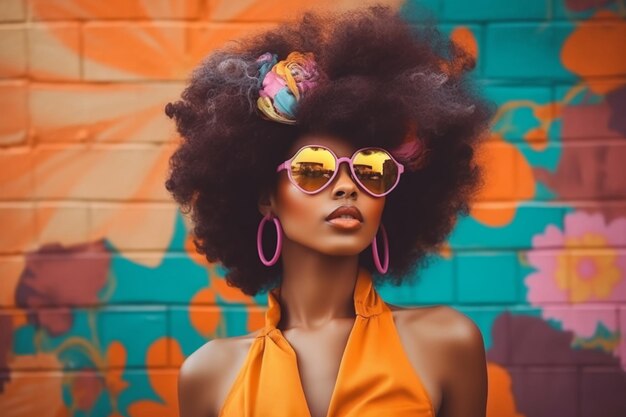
{"x":312,"y":167}
{"x":376,"y":170}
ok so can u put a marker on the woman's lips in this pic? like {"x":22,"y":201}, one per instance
{"x":346,"y":217}
{"x":345,"y":224}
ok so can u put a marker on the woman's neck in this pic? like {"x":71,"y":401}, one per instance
{"x":315,"y":288}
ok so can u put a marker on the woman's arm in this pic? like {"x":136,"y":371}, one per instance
{"x":465,"y":385}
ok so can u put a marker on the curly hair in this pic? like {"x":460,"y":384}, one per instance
{"x":382,"y":75}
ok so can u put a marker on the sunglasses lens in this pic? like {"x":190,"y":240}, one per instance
{"x":312,"y":168}
{"x":376,"y":170}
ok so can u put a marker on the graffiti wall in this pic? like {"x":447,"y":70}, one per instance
{"x":102,"y":295}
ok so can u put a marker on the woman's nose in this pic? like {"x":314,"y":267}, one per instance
{"x":344,"y":184}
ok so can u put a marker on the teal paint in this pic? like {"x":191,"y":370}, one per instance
{"x":528,"y":221}
{"x":526,"y":50}
{"x":486,"y":278}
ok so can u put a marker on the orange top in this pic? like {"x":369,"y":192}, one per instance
{"x":375,"y":377}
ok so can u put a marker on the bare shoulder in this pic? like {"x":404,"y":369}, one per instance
{"x":206,"y":375}
{"x":452,"y":346}
{"x":443,"y":325}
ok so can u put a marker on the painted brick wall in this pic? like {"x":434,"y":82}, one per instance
{"x":102,"y":295}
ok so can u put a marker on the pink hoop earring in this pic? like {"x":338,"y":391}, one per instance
{"x":381,"y":268}
{"x":259,"y":240}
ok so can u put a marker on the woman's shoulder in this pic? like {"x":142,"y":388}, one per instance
{"x":427,"y":319}
{"x":441,"y":326}
{"x":439,"y":341}
{"x":208,"y":372}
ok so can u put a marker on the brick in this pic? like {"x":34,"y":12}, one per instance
{"x":535,"y":391}
{"x":111,"y":173}
{"x":418,"y":11}
{"x":602,"y":266}
{"x":526,"y":220}
{"x":203,"y":38}
{"x":602,"y":393}
{"x":526,"y":50}
{"x":276,"y":10}
{"x":471,"y":38}
{"x":590,"y":49}
{"x":166,"y":402}
{"x":16,"y":177}
{"x":434,"y":285}
{"x":17,"y":221}
{"x":10,"y":270}
{"x":609,"y":216}
{"x":114,"y":9}
{"x":499,"y":161}
{"x":156,"y":279}
{"x":488,"y":10}
{"x":538,"y":341}
{"x":33,"y":394}
{"x":497,"y":333}
{"x":12,"y":10}
{"x":131,"y":226}
{"x":588,"y":171}
{"x":141,"y":326}
{"x":486,"y":277}
{"x":585,"y":321}
{"x":103,"y":113}
{"x":521,"y":111}
{"x":54,"y":51}
{"x":152,"y":51}
{"x":66,"y":223}
{"x":194,"y":326}
{"x":13,"y":61}
{"x":541,"y":270}
{"x":14,"y":116}
{"x":591,"y":112}
{"x":578,"y":10}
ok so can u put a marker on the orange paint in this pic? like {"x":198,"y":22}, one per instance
{"x":164,"y":384}
{"x":228,"y":293}
{"x":204,"y":321}
{"x":466,"y":39}
{"x":595,"y":48}
{"x":508,"y":177}
{"x":500,"y":400}
{"x":256,"y":318}
{"x":537,"y":139}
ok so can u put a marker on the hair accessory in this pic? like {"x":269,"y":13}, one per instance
{"x":259,"y":240}
{"x":382,"y":268}
{"x":411,"y":152}
{"x":284,"y":83}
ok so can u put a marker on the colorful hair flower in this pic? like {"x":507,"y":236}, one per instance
{"x":412,"y":151}
{"x":284,"y":83}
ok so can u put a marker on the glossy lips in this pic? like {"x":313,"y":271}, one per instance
{"x":335,"y":218}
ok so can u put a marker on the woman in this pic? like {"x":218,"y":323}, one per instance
{"x":267,"y":125}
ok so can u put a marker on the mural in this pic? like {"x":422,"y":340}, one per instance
{"x":99,"y":307}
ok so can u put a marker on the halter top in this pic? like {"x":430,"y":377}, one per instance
{"x":375,"y":376}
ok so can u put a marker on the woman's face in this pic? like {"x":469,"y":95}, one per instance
{"x":304,"y":216}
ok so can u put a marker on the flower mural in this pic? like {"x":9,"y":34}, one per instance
{"x":85,"y":147}
{"x":55,"y":276}
{"x":582,"y":269}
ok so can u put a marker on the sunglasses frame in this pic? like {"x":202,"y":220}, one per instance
{"x":287,"y":164}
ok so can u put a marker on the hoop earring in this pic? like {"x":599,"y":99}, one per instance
{"x":259,"y":240}
{"x":381,"y":268}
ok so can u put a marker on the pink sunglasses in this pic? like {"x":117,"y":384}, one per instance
{"x":313,"y":167}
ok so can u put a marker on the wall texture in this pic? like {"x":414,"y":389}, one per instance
{"x":102,"y":296}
